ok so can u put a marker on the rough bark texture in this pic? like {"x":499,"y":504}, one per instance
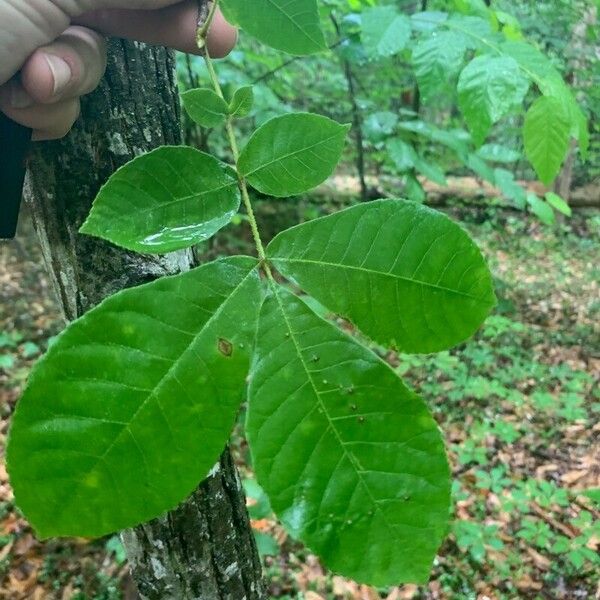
{"x":203,"y":549}
{"x":200,"y":550}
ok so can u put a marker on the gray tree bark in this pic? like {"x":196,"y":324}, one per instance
{"x":205,"y":548}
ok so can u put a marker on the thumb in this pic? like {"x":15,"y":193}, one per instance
{"x":173,"y":26}
{"x":26,"y":25}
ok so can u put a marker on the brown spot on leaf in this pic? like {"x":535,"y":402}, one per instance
{"x":225,"y":347}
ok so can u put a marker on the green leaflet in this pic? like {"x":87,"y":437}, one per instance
{"x":430,"y":170}
{"x":541,"y":209}
{"x":171,"y":198}
{"x":205,"y":107}
{"x":550,"y":82}
{"x":546,"y":135}
{"x":413,"y":189}
{"x":134,"y":402}
{"x":505,"y":180}
{"x":242,"y":102}
{"x":428,"y":21}
{"x":479,"y":166}
{"x":292,"y":154}
{"x":437,"y":59}
{"x":455,"y":139}
{"x":385,"y":31}
{"x":402,"y":154}
{"x":498,"y":153}
{"x":488,"y":88}
{"x":406,"y":275}
{"x":352,"y":461}
{"x":291,"y":26}
{"x":556,"y":202}
{"x":477,"y":32}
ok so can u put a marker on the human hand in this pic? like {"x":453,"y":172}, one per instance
{"x":58,"y":48}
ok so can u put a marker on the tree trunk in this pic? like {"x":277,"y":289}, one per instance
{"x":205,"y":548}
{"x":579,"y":64}
{"x":357,"y":122}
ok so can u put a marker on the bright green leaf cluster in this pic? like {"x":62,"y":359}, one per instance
{"x":496,"y":80}
{"x":133,"y":404}
{"x":482,"y":56}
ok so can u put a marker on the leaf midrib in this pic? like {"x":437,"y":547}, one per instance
{"x":295,"y":24}
{"x":291,"y":154}
{"x":158,"y":386}
{"x":197,"y":195}
{"x":378,"y":273}
{"x":331,"y":426}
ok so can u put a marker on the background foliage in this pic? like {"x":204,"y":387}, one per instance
{"x":519,"y":401}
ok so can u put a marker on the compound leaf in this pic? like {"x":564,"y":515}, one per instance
{"x":205,"y":107}
{"x":134,"y":402}
{"x":292,"y":154}
{"x":171,"y":198}
{"x":352,"y":461}
{"x":291,"y":26}
{"x":404,"y":274}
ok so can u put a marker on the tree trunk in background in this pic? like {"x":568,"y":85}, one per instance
{"x":205,"y":548}
{"x":357,"y":121}
{"x":564,"y":181}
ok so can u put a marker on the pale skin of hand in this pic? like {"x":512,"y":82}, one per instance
{"x":52,"y":52}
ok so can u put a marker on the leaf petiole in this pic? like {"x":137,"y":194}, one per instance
{"x":234,"y":146}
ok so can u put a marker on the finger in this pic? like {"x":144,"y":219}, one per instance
{"x":174,"y":26}
{"x":71,"y":66}
{"x":48,"y":121}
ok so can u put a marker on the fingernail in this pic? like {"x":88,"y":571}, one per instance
{"x":19,"y":98}
{"x":61,"y":72}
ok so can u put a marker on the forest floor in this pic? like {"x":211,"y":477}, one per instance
{"x":519,"y":406}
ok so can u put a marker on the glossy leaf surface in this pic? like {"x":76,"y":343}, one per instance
{"x":488,"y":88}
{"x":546,"y":136}
{"x":291,"y":26}
{"x":134,"y":402}
{"x":292,"y":154}
{"x":352,"y":461}
{"x":406,"y":275}
{"x":205,"y":107}
{"x":171,"y":198}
